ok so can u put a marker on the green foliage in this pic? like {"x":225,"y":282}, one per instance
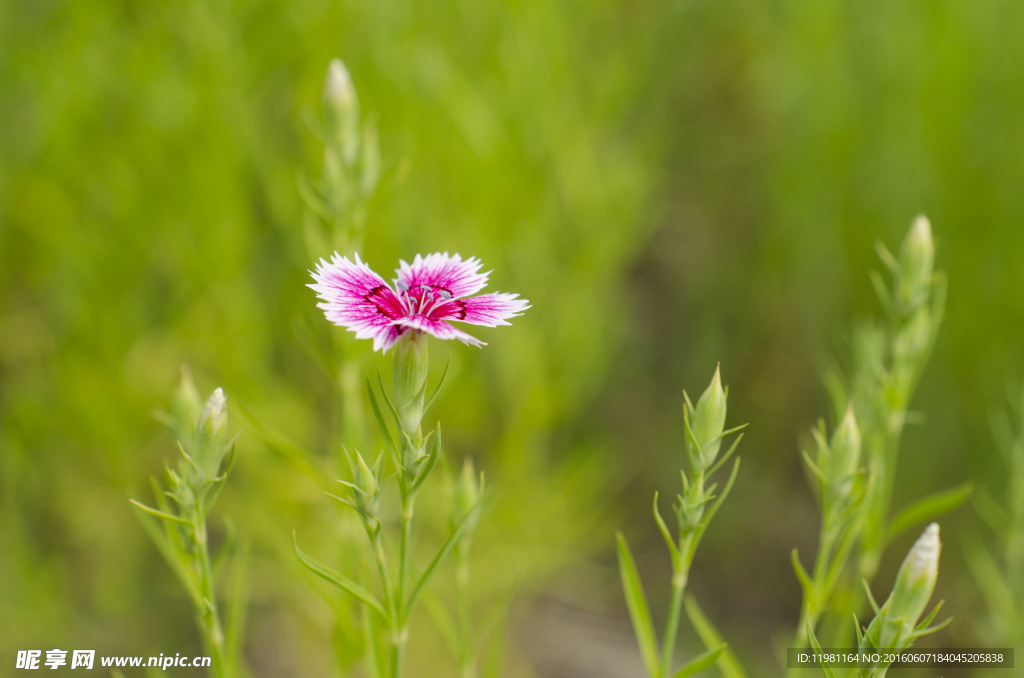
{"x":182,"y":536}
{"x":996,"y":570}
{"x":671,"y":184}
{"x":694,"y":509}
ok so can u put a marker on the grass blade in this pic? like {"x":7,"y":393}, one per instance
{"x":338,"y":579}
{"x":639,"y":611}
{"x":445,"y":549}
{"x":929,"y":507}
{"x":727,"y":662}
{"x":702,"y":661}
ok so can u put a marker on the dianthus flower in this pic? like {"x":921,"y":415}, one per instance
{"x":427,"y":294}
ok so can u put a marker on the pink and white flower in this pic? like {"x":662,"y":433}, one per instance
{"x":426,"y":294}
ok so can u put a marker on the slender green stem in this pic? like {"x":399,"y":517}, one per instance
{"x":400,"y":622}
{"x":672,"y":625}
{"x":467,"y":668}
{"x":680,"y":575}
{"x":209,"y":617}
{"x":372,"y":654}
{"x":382,"y":569}
{"x":353,"y":413}
{"x":812,"y":609}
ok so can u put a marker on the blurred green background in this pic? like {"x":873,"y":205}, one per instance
{"x":671,"y":184}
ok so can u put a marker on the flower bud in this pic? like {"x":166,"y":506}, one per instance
{"x":914,"y":585}
{"x":341,"y":109}
{"x":839,"y":461}
{"x":466,"y":493}
{"x":708,"y":422}
{"x":185,"y":408}
{"x":917,"y":259}
{"x":210,"y":446}
{"x":215,"y":414}
{"x":367,"y":488}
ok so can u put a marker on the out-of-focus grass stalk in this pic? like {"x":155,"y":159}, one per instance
{"x":856,"y":501}
{"x":888,"y":367}
{"x":999,"y":574}
{"x":840,"y":490}
{"x":336,"y":202}
{"x":695,"y":507}
{"x":336,"y":211}
{"x":467,"y":491}
{"x":192,"y":487}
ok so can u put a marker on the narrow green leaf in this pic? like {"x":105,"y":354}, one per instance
{"x":825,"y":668}
{"x":923,"y":629}
{"x":185,"y":454}
{"x":729,"y":452}
{"x":871,"y":598}
{"x":387,"y":401}
{"x":801,"y":574}
{"x":929,"y":507}
{"x":172,"y":556}
{"x":887,"y":257}
{"x":493,"y":616}
{"x":442,"y":553}
{"x":991,"y":512}
{"x":639,"y":611}
{"x":812,"y":467}
{"x":691,"y":438}
{"x":385,"y":431}
{"x":717,"y":504}
{"x":882,"y":292}
{"x":158,"y":514}
{"x":923,"y":624}
{"x":842,"y":552}
{"x":663,"y":528}
{"x":442,"y":621}
{"x":994,"y":585}
{"x":374,"y":661}
{"x":349,"y":504}
{"x":705,"y":660}
{"x":338,"y":579}
{"x":238,"y":602}
{"x":440,"y":382}
{"x":277,"y":442}
{"x":728,"y":664}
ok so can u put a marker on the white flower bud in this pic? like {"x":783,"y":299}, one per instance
{"x":914,"y":585}
{"x":210,"y":446}
{"x":215,"y":414}
{"x":338,"y":89}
